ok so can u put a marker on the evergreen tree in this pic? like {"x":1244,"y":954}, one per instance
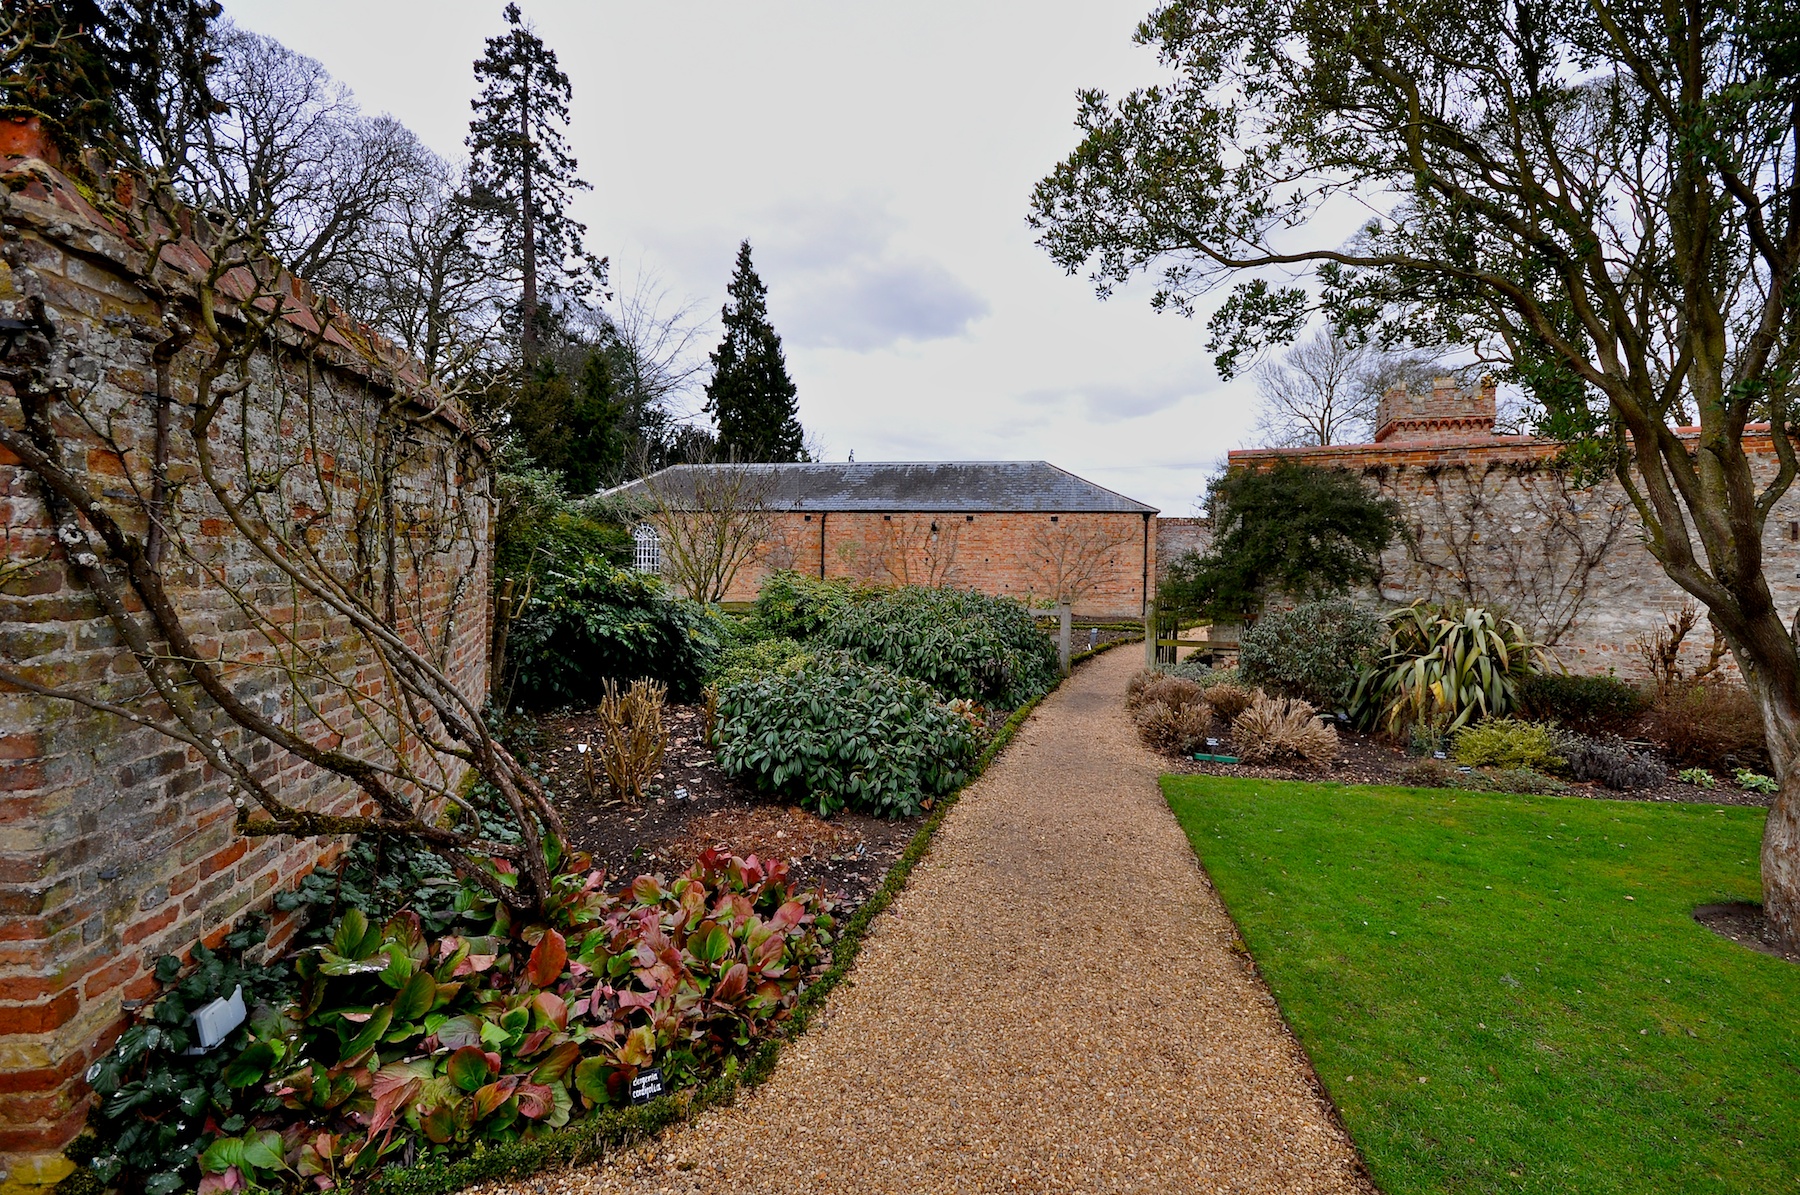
{"x":751,"y":397}
{"x":573,"y":427}
{"x":523,"y":174}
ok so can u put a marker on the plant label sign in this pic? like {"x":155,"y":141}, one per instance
{"x":646,"y":1085}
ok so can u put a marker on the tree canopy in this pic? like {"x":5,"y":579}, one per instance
{"x":524,"y":173}
{"x":1599,"y":198}
{"x":1294,"y":530}
{"x":751,"y":397}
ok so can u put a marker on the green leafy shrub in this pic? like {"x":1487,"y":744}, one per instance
{"x":961,"y":643}
{"x":1715,"y":726}
{"x":1193,"y":668}
{"x":1698,"y":777}
{"x":1215,"y":676}
{"x":794,"y":605}
{"x":1283,"y":729}
{"x":840,"y":732}
{"x":1508,"y":743}
{"x":398,"y":1043}
{"x":590,"y":622}
{"x":1588,"y":704}
{"x":1426,"y":773}
{"x":1444,"y":667}
{"x":753,"y":661}
{"x":1612,"y":762}
{"x":540,"y":529}
{"x":1755,"y":782}
{"x":158,"y":1108}
{"x":1314,"y":652}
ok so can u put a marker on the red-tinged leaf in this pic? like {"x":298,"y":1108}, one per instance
{"x":646,"y":891}
{"x":548,"y":1007}
{"x":731,"y":988}
{"x":548,"y":958}
{"x":535,"y":1100}
{"x":557,"y":1062}
{"x":391,"y":1096}
{"x":640,"y":1047}
{"x":788,"y":915}
{"x":494,"y":1094}
{"x":213,"y":1184}
{"x":475,"y":964}
{"x":470,"y":1067}
{"x":458,"y":1032}
{"x":628,"y":999}
{"x":439,"y":1123}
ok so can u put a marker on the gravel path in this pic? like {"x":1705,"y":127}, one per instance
{"x":1051,"y":1005}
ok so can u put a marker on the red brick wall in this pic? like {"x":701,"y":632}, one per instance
{"x":1010,"y":554}
{"x":117,"y":845}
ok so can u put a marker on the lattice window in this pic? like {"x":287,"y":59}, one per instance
{"x":649,"y":549}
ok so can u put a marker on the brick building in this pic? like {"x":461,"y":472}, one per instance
{"x":118,"y":845}
{"x":1496,"y":519}
{"x":1023,"y":529}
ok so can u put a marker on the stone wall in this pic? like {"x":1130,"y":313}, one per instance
{"x":1003,"y":553}
{"x":1490,"y":519}
{"x":118,"y":845}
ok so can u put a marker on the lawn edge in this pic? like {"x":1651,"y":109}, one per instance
{"x":615,"y":1128}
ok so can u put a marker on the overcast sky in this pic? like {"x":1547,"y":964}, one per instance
{"x":880,"y":158}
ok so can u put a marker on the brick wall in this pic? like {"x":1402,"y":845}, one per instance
{"x":118,"y":845}
{"x":1002,"y":553}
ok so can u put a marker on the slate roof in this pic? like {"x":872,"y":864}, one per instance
{"x":924,"y":486}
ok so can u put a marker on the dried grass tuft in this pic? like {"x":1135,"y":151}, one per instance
{"x":1229,"y":700}
{"x":635,"y":738}
{"x":1277,"y":729}
{"x":1172,"y":729}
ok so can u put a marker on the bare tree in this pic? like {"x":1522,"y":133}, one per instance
{"x":1325,"y":390}
{"x":1068,"y":562}
{"x":710,"y":521}
{"x":916,"y":550}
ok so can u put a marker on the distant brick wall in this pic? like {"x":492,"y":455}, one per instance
{"x":1003,"y":553}
{"x":118,"y":845}
{"x":1175,"y":538}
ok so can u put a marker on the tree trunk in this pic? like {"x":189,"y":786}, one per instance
{"x":1777,"y":692}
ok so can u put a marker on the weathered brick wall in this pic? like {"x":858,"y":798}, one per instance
{"x":118,"y":845}
{"x":1488,"y":519}
{"x":1177,"y":537}
{"x":1006,"y":554}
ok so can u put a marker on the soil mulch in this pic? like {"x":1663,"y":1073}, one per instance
{"x":691,"y":805}
{"x":1367,"y":759}
{"x":1745,"y":924}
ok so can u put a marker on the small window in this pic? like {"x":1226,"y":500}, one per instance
{"x":649,"y":549}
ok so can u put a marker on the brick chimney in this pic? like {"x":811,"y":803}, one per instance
{"x":1447,"y":415}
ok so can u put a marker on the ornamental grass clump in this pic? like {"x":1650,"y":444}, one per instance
{"x":839,"y":732}
{"x":390,"y":1042}
{"x":1509,"y":743}
{"x":1173,"y":691}
{"x":633,"y":737}
{"x":1174,"y":729}
{"x":1229,"y":700}
{"x":1281,"y":730}
{"x":961,"y":643}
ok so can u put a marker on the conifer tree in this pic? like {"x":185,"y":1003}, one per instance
{"x":523,"y":173}
{"x":572,"y":427}
{"x":751,"y":397}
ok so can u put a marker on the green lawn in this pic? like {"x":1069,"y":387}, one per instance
{"x":1508,"y":993}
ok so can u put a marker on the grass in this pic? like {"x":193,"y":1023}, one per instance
{"x":1508,"y":993}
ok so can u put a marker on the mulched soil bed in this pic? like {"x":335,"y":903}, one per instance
{"x":1366,"y":759}
{"x":847,"y":854}
{"x":1745,"y":924}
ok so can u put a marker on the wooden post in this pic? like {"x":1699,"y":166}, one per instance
{"x":1150,"y":635}
{"x":1063,"y":617}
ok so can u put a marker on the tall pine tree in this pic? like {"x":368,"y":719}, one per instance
{"x":751,"y":397}
{"x":572,"y":425}
{"x":523,"y":174}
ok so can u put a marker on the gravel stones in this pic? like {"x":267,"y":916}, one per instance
{"x":1053,"y":1004}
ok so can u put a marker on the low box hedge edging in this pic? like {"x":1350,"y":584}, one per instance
{"x":617,"y":1127}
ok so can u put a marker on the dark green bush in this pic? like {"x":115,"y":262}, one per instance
{"x":841,"y":732}
{"x":588,"y":622}
{"x":1314,"y":651}
{"x":793,"y":605}
{"x":961,"y":643}
{"x":540,"y":529}
{"x":1588,"y":704}
{"x":160,"y":1107}
{"x":1613,"y":763}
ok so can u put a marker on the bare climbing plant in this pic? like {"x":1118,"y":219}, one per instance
{"x":286,"y":558}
